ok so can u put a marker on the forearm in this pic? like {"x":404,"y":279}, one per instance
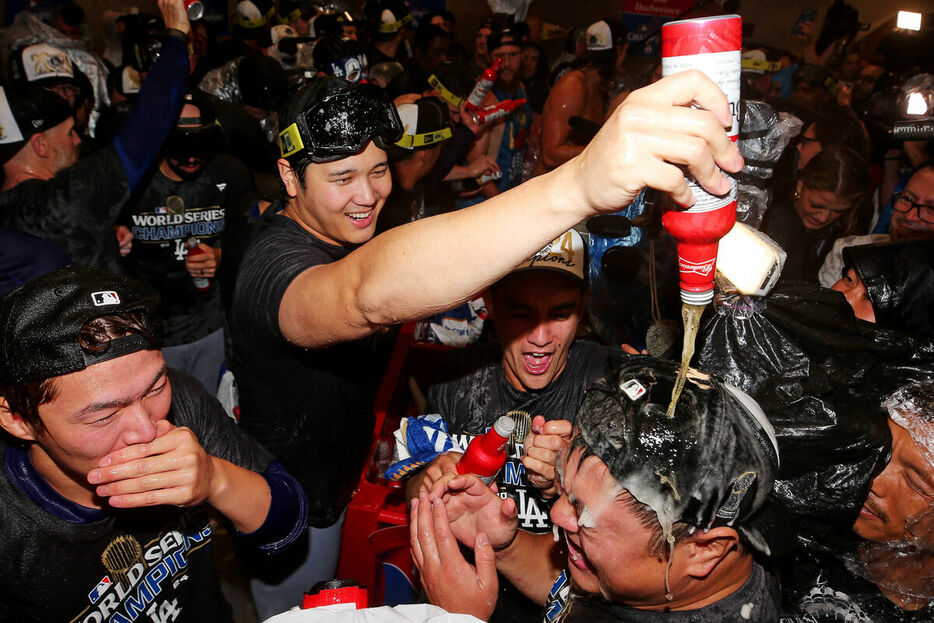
{"x":241,"y":495}
{"x":531,"y":563}
{"x":434,"y":264}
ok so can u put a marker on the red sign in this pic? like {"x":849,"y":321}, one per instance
{"x":663,"y":8}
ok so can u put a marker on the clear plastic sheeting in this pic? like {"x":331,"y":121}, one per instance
{"x":820,"y":375}
{"x":27,"y":29}
{"x":764,"y":135}
{"x":912,"y":408}
{"x":222,"y":82}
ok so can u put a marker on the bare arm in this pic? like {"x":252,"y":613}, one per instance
{"x":566,"y":100}
{"x":532,"y":563}
{"x":433,"y":264}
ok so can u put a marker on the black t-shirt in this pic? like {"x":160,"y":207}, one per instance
{"x":819,"y":588}
{"x":312,"y":408}
{"x":75,"y":210}
{"x":756,"y":600}
{"x":162,"y":225}
{"x":148,"y":564}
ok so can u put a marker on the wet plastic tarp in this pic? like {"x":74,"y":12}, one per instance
{"x":821,"y":377}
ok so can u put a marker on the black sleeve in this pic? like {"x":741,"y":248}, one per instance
{"x":220,"y":436}
{"x":217,"y":432}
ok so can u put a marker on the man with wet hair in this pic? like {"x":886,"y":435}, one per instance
{"x":655,"y":512}
{"x":313,"y":287}
{"x":113,"y":467}
{"x":884,"y":576}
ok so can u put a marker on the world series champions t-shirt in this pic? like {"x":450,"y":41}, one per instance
{"x":163,"y":216}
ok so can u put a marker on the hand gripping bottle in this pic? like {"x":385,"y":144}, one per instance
{"x":496,"y":111}
{"x":711,"y":45}
{"x":484,"y":84}
{"x":486,"y":454}
{"x":202,"y":284}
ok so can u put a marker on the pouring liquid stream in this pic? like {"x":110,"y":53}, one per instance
{"x":690,"y":316}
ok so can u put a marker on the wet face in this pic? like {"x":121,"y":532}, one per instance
{"x":99,"y":410}
{"x":512,"y":61}
{"x":608,"y":545}
{"x":853,"y":288}
{"x":819,"y":208}
{"x":901,"y":499}
{"x":342,"y":199}
{"x":808,"y":146}
{"x":536,"y":314}
{"x":63,"y":143}
{"x":915,"y":222}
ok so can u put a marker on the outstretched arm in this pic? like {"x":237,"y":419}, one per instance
{"x":434,"y":264}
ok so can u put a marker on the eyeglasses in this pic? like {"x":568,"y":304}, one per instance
{"x":905,"y":203}
{"x":342,"y":124}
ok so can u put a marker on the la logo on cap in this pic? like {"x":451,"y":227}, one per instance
{"x":105,"y":297}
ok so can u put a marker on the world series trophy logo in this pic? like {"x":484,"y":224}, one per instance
{"x":120,"y":556}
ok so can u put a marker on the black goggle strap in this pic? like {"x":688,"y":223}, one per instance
{"x":446,"y":94}
{"x":411,"y":141}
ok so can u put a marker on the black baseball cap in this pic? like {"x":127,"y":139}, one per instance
{"x":499,"y":38}
{"x":330,"y":118}
{"x":26,"y":110}
{"x":41,"y":320}
{"x":713,"y":463}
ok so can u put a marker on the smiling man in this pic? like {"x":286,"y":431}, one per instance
{"x":885,"y":576}
{"x":110,"y":461}
{"x":310,"y":293}
{"x":654,"y":512}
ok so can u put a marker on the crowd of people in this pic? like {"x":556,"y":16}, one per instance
{"x":209,"y":240}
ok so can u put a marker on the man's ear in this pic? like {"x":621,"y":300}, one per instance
{"x":289,"y":177}
{"x":14,"y":424}
{"x":705,"y":550}
{"x":40,"y":145}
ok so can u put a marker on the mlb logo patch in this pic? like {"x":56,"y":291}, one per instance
{"x":100,"y":589}
{"x":633,"y":389}
{"x":106,"y":297}
{"x":161,"y":210}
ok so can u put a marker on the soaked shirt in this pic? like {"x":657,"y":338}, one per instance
{"x":313,"y":408}
{"x":757,"y":600}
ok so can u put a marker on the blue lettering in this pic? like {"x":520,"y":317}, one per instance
{"x":156,"y":576}
{"x":135,"y":604}
{"x":513,"y":472}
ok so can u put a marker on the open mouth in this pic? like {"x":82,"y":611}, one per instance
{"x":537,"y":363}
{"x":361,"y":219}
{"x":576,"y":556}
